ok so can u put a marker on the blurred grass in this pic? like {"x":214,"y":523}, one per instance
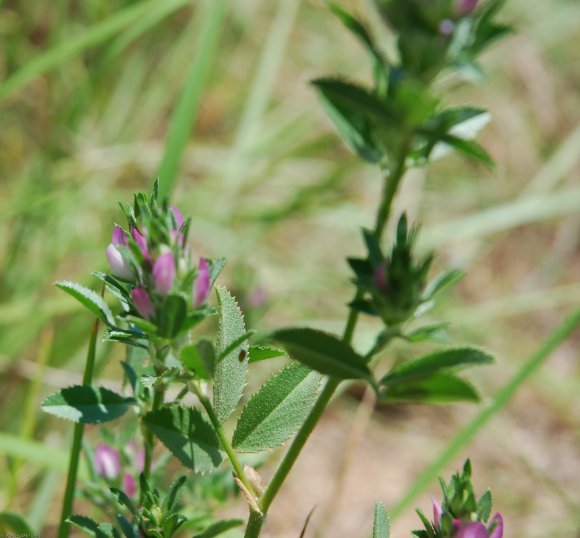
{"x":97,"y":98}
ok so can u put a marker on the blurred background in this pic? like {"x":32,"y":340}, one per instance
{"x":98,"y":98}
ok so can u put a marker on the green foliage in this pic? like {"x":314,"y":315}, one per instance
{"x":277,"y":410}
{"x":381,"y":527}
{"x":172,"y":316}
{"x":436,"y":388}
{"x":200,"y":357}
{"x":323,"y":352}
{"x":436,"y":362}
{"x":87,"y":404}
{"x":12,"y":524}
{"x":92,"y":528}
{"x":230,"y":371}
{"x":219,"y":527}
{"x":262,"y":353}
{"x":89,"y":299}
{"x":188,"y":435}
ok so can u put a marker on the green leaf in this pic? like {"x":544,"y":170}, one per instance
{"x":172,"y":315}
{"x":438,"y":388}
{"x":436,"y":362}
{"x":277,"y":410}
{"x":12,"y":524}
{"x":437,"y":332}
{"x":89,"y":299}
{"x":189,"y":437}
{"x":230,"y":372}
{"x":484,"y":505}
{"x":444,"y":280}
{"x":322,"y":352}
{"x":92,"y":528}
{"x":262,"y":353}
{"x":355,"y":113}
{"x":87,"y":404}
{"x":381,"y":527}
{"x":219,"y":527}
{"x":200,"y":357}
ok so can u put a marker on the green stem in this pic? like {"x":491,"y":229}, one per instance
{"x":69,"y":493}
{"x":148,"y":437}
{"x":238,"y":469}
{"x":392,"y":180}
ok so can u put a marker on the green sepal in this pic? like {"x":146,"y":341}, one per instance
{"x":87,"y":404}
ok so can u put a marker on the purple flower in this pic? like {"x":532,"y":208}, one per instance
{"x":380,"y":280}
{"x":107,"y":461}
{"x":178,"y":216}
{"x":129,"y":485}
{"x":164,"y":273}
{"x":119,"y":267}
{"x":475,"y":529}
{"x":465,"y":7}
{"x":143,"y":303}
{"x":119,"y":236}
{"x":141,"y":243}
{"x":202,"y":282}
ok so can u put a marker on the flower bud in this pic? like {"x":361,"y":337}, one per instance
{"x":164,"y":273}
{"x":107,"y":461}
{"x":119,"y":236}
{"x":465,"y":7}
{"x":143,"y":303}
{"x":129,"y":485}
{"x":436,"y":514}
{"x":498,"y":530}
{"x":380,"y":278}
{"x":475,"y":529}
{"x":141,"y":243}
{"x":178,"y":216}
{"x":119,"y":267}
{"x":202,"y":282}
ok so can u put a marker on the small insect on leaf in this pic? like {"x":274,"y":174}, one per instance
{"x":243,"y":354}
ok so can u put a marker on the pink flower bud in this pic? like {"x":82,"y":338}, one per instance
{"x":475,"y":529}
{"x":136,"y":455}
{"x":119,"y":267}
{"x":202,"y":282}
{"x":107,"y":462}
{"x":119,"y":236}
{"x":498,"y":530}
{"x":164,"y":273}
{"x":380,"y":280}
{"x":141,"y":243}
{"x":465,"y":7}
{"x":143,"y":303}
{"x":129,"y":485}
{"x":436,"y":514}
{"x":178,"y":216}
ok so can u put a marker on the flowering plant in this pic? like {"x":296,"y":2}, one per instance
{"x":163,"y":292}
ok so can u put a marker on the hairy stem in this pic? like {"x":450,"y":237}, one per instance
{"x":69,"y":493}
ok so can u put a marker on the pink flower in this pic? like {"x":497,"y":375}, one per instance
{"x":202,"y":282}
{"x":178,"y":216}
{"x":142,"y":302}
{"x":436,"y":514}
{"x":141,"y":243}
{"x":119,"y":236}
{"x":475,"y":529}
{"x":107,"y":461}
{"x":164,"y":273}
{"x":465,"y":7}
{"x":498,"y":530}
{"x":119,"y":267}
{"x":129,"y":485}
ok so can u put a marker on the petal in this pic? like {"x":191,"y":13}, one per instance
{"x":129,"y":485}
{"x":107,"y":461}
{"x":142,"y":302}
{"x":119,"y":267}
{"x":119,"y":236}
{"x":141,"y":243}
{"x":436,"y":514}
{"x":475,"y":529}
{"x":178,"y":216}
{"x":498,"y":530}
{"x":202,"y":282}
{"x":164,"y":273}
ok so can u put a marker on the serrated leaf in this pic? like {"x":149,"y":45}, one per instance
{"x":277,"y":410}
{"x":262,"y":353}
{"x":381,"y":527}
{"x":484,"y":505}
{"x":323,"y":352}
{"x":219,"y":527}
{"x":438,"y":361}
{"x":437,"y":332}
{"x":87,"y":404}
{"x":13,"y":524}
{"x":89,"y":299}
{"x":230,"y":372}
{"x":186,"y":433}
{"x":92,"y":528}
{"x":438,"y":388}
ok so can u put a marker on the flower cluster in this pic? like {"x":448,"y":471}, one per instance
{"x":152,"y":269}
{"x":461,"y":515}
